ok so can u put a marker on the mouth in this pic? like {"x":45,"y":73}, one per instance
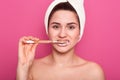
{"x":63,"y":43}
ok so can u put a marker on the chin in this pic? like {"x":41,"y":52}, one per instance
{"x":63,"y":50}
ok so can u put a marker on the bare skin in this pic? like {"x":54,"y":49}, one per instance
{"x":62,"y":63}
{"x":77,"y":70}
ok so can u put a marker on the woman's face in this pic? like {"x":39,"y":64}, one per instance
{"x":64,"y":26}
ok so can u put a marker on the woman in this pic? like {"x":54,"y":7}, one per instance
{"x":64,"y":22}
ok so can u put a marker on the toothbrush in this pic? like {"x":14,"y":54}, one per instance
{"x":44,"y":41}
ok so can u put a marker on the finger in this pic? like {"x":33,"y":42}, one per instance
{"x":22,"y":46}
{"x":34,"y":47}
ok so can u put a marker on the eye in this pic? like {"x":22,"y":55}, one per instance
{"x":55,"y":27}
{"x":71,"y":27}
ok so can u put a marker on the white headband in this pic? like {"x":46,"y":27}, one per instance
{"x":76,"y":4}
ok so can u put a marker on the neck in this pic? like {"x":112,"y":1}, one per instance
{"x":62,"y":59}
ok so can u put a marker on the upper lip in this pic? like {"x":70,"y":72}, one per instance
{"x":62,"y":41}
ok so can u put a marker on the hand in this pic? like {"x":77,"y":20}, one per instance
{"x":26,"y":52}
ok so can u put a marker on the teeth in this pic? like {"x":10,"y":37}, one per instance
{"x":63,"y":43}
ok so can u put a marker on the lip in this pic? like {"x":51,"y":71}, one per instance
{"x":63,"y":43}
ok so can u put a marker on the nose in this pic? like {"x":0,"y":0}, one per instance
{"x":62,"y":33}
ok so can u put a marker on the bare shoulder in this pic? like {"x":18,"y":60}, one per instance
{"x":95,"y":70}
{"x":37,"y":66}
{"x":41,"y":62}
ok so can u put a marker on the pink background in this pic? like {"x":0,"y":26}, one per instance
{"x":100,"y":43}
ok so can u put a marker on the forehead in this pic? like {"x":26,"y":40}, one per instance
{"x":64,"y":16}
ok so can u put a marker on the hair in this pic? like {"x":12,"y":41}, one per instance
{"x":63,"y":6}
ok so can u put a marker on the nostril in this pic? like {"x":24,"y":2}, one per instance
{"x":62,"y":33}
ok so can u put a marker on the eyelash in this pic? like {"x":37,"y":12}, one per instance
{"x":55,"y":27}
{"x":71,"y":27}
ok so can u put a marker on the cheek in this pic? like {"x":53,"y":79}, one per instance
{"x":75,"y":34}
{"x":52,"y":33}
{"x":76,"y":38}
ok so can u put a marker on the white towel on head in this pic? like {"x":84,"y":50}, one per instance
{"x":78,"y":5}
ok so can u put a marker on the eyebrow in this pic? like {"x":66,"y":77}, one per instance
{"x":72,"y":23}
{"x":67,"y":23}
{"x":55,"y":23}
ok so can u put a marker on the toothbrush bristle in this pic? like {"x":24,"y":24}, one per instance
{"x":30,"y":42}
